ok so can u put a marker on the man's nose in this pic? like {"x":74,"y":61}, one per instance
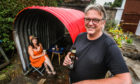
{"x":90,"y":22}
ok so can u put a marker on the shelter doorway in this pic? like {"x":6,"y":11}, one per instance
{"x":51,"y":25}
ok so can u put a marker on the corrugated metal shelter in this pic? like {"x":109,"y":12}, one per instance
{"x":48,"y":24}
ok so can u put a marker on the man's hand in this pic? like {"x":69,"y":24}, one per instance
{"x":67,"y":60}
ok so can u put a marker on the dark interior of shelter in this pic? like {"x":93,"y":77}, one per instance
{"x":44,"y":25}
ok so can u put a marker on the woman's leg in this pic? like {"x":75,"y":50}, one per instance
{"x":47,"y":69}
{"x":48,"y":62}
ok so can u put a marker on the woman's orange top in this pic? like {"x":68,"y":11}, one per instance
{"x":38,"y":61}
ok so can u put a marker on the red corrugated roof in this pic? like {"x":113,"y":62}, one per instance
{"x":71,"y":18}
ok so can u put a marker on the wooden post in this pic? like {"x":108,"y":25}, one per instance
{"x":5,"y":57}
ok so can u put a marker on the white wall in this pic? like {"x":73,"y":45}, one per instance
{"x":138,"y":29}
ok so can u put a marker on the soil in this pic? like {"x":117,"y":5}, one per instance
{"x":61,"y":76}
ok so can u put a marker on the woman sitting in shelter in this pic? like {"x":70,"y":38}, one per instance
{"x":38,"y":57}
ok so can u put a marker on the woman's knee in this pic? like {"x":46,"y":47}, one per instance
{"x":46,"y":57}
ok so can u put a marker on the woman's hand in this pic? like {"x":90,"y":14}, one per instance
{"x":67,"y":60}
{"x":44,"y":51}
{"x":42,"y":54}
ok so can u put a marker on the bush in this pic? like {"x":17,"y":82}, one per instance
{"x":119,"y":36}
{"x":110,"y":24}
{"x":117,"y":3}
{"x":108,"y":4}
{"x":117,"y":32}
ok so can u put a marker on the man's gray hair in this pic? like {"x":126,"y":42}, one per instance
{"x":98,"y":8}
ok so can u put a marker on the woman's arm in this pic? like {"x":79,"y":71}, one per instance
{"x":30,"y":51}
{"x":40,"y":45}
{"x":42,"y":48}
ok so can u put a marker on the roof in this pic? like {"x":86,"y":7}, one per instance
{"x":72,"y":19}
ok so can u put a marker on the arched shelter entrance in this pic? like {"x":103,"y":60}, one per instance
{"x":49,"y":24}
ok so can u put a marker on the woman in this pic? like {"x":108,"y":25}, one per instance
{"x":38,"y":57}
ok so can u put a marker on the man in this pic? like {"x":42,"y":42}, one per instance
{"x":97,"y":53}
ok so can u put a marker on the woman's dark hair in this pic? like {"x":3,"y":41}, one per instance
{"x":32,"y":43}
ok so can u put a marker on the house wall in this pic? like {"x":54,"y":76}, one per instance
{"x":111,"y":13}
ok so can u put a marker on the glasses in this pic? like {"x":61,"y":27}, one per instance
{"x":94,"y":21}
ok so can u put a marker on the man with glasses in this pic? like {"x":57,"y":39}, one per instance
{"x":97,"y":53}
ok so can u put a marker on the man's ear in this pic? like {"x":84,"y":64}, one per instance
{"x":104,"y":22}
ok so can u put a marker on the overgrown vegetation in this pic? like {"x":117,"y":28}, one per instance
{"x":93,"y":1}
{"x":116,"y":3}
{"x":8,"y":11}
{"x":117,"y":32}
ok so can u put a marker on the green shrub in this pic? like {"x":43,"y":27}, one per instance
{"x":117,"y":32}
{"x":117,"y":3}
{"x":110,"y":24}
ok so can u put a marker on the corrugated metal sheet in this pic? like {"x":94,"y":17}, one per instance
{"x":72,"y":19}
{"x":48,"y":24}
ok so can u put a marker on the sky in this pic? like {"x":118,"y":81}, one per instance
{"x":103,"y":1}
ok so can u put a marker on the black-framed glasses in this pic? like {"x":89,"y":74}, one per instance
{"x":94,"y":21}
